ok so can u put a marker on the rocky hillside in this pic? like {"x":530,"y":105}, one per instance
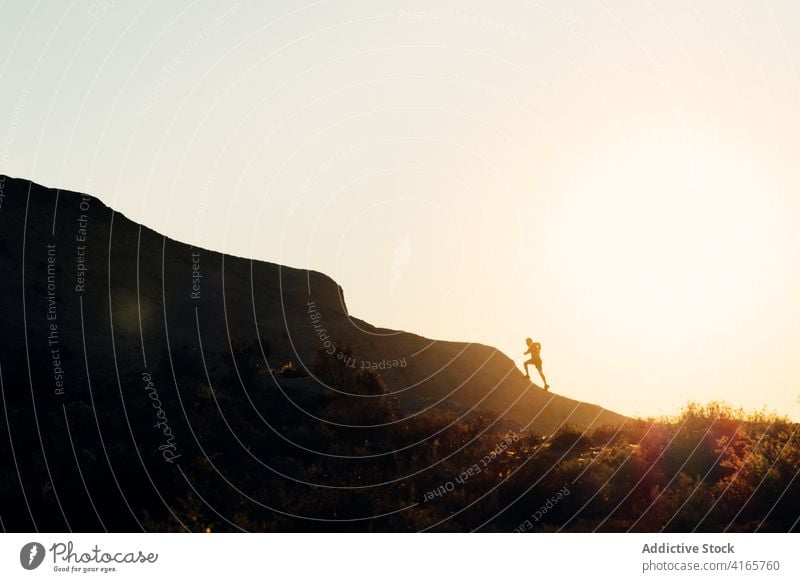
{"x":120,"y":343}
{"x":78,"y":276}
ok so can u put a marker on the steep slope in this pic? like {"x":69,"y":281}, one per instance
{"x":136,"y":298}
{"x":145,"y":383}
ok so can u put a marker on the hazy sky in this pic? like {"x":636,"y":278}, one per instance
{"x":617,"y":179}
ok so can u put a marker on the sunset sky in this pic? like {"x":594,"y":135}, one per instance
{"x":618,"y":180}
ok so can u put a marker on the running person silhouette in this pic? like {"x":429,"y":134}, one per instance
{"x":534,"y":349}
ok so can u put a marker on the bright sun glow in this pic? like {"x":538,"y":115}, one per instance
{"x":667,"y":237}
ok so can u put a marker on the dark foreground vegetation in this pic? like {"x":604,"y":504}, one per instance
{"x":283,"y":456}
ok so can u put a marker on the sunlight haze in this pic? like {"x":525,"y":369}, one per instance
{"x":617,"y":180}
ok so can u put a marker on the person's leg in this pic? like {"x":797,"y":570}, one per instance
{"x":539,"y":368}
{"x":527,"y":363}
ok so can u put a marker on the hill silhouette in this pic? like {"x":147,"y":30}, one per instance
{"x":143,"y":294}
{"x":151,"y":385}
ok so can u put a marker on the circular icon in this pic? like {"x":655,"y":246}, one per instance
{"x":31,"y":555}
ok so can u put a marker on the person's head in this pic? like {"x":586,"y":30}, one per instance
{"x":528,"y":341}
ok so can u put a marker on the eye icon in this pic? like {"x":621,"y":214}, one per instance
{"x":31,"y":555}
